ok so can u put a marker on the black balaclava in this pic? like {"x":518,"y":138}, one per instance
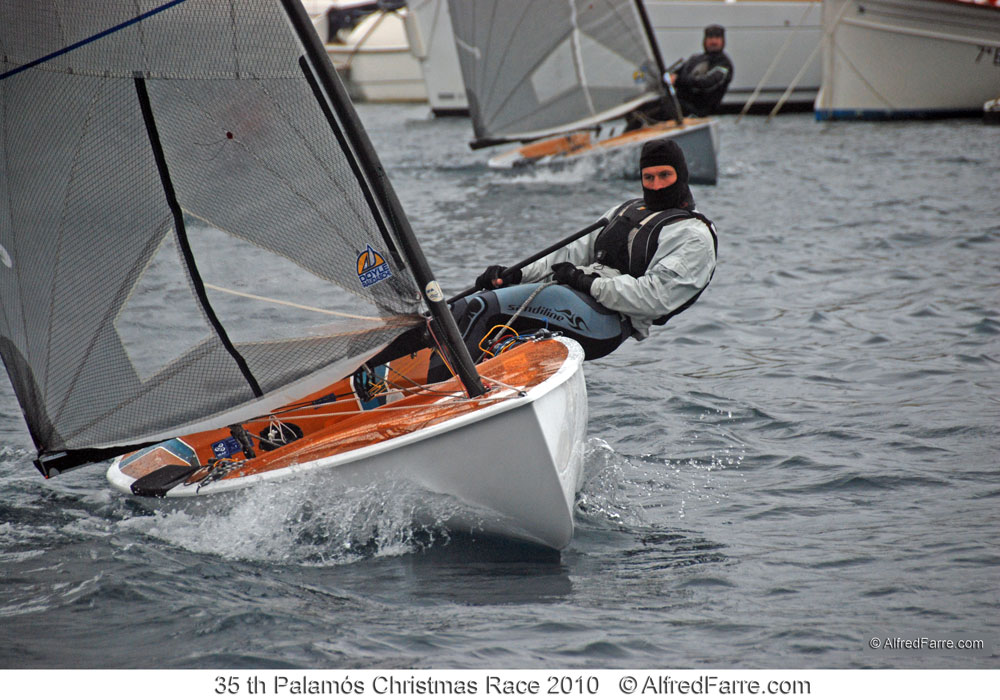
{"x":677,"y":195}
{"x":714,"y":30}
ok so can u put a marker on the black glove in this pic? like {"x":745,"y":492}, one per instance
{"x":488,"y":279}
{"x":572,"y":276}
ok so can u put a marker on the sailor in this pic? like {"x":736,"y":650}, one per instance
{"x":650,"y":262}
{"x":702,"y":80}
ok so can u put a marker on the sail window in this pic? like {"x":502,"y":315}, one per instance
{"x":161,"y":320}
{"x":556,"y":74}
{"x":603,"y":67}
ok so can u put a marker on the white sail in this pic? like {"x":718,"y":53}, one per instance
{"x":187,"y":228}
{"x":532,"y":69}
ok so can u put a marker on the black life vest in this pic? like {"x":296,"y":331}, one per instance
{"x":630,"y":239}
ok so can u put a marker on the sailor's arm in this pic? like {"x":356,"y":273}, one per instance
{"x":580,"y":252}
{"x":715,"y":79}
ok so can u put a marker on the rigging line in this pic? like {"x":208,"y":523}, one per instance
{"x":517,"y":313}
{"x":439,"y":348}
{"x":445,"y":402}
{"x":442,"y":399}
{"x":774,"y":64}
{"x":415,"y":386}
{"x":414,"y":389}
{"x":304,"y":412}
{"x":505,"y":385}
{"x":91,"y":39}
{"x":359,"y":44}
{"x":418,"y":389}
{"x":297,"y":306}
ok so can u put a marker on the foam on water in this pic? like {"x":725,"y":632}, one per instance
{"x":307,"y":521}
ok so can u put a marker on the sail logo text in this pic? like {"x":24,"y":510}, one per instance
{"x":372,"y":267}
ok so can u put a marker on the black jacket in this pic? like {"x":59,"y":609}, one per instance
{"x":702,"y":81}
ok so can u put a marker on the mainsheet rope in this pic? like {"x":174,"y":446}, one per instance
{"x":298,"y":306}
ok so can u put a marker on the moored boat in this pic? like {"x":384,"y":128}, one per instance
{"x":373,"y":55}
{"x":432,"y":43}
{"x":896,"y":59}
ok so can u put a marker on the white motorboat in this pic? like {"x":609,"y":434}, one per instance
{"x":372,"y":54}
{"x":889,"y":59}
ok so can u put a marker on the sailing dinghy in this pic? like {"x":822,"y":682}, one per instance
{"x":185,"y":190}
{"x":554,"y":74}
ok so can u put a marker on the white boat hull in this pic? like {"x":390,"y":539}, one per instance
{"x":619,"y":155}
{"x":432,"y":43}
{"x":517,"y":464}
{"x":375,"y":61}
{"x":918,"y":58}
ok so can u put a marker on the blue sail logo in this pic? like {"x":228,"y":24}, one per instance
{"x":372,"y":267}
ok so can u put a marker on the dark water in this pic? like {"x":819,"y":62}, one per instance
{"x":806,"y":459}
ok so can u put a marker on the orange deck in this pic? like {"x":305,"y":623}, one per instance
{"x":580,"y":142}
{"x":340,"y":426}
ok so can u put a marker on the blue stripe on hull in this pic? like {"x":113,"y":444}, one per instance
{"x":892,"y":114}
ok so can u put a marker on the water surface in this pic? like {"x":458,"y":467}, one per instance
{"x":804,"y":460}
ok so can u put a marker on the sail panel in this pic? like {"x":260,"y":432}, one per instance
{"x":140,"y":298}
{"x":537,"y":68}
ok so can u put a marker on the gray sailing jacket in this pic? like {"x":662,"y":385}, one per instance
{"x":681,"y":267}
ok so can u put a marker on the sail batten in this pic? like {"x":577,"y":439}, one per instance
{"x":154,"y":155}
{"x":533,"y":69}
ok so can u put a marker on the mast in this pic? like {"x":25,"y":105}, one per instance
{"x":335,"y":93}
{"x":650,"y":37}
{"x":660,"y":66}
